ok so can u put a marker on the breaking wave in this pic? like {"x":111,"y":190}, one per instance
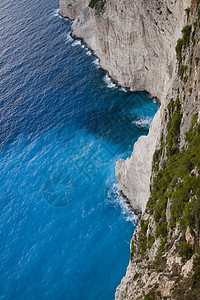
{"x":109,"y":82}
{"x":143,"y":122}
{"x":117,"y":200}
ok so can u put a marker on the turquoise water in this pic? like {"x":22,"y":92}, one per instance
{"x":64,"y":230}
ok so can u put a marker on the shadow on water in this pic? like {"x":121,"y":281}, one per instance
{"x":113,"y":121}
{"x":114,"y":124}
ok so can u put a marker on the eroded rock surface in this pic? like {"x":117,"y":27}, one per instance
{"x":135,"y":42}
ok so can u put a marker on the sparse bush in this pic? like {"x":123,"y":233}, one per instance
{"x":197,"y":60}
{"x":190,"y":90}
{"x":99,"y":5}
{"x":179,"y":47}
{"x":185,"y":250}
{"x":185,"y":79}
{"x":186,"y":34}
{"x":151,"y":240}
{"x":187,"y":10}
{"x":182,"y":70}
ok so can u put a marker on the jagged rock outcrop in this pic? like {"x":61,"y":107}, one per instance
{"x":71,"y":8}
{"x":134,"y":173}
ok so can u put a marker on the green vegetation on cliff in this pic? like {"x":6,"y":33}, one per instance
{"x":99,"y":5}
{"x":165,"y":250}
{"x":174,"y":204}
{"x":183,"y":42}
{"x":178,"y":179}
{"x":177,"y":182}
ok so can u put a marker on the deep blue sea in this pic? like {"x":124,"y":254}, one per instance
{"x":64,"y":230}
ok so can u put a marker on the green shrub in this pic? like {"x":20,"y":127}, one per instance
{"x":146,"y":297}
{"x":187,"y":10}
{"x":160,"y":261}
{"x":182,"y":70}
{"x":99,"y":5}
{"x":179,"y":47}
{"x":136,"y":276}
{"x":197,"y":60}
{"x":185,"y":250}
{"x":156,"y":159}
{"x":143,"y":244}
{"x":186,"y":34}
{"x":196,"y":276}
{"x":195,"y":25}
{"x":92,"y":3}
{"x":185,"y":79}
{"x":174,"y":129}
{"x":151,"y":240}
{"x":183,"y":42}
{"x":160,"y":208}
{"x":161,"y":230}
{"x":144,"y":227}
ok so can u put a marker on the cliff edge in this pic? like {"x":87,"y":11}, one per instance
{"x":165,"y":247}
{"x":135,"y":42}
{"x":154,"y":45}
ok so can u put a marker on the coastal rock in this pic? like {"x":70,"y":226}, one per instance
{"x":71,"y":8}
{"x":133,"y":174}
{"x":135,"y":42}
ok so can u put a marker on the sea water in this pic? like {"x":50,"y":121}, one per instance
{"x":64,"y":230}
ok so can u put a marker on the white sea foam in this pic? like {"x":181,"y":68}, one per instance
{"x":143,"y":122}
{"x":76,"y":43}
{"x":89,"y":53}
{"x":116,"y":199}
{"x":123,"y":90}
{"x":69,"y":38}
{"x":56,"y":14}
{"x":96,"y":62}
{"x":109,"y":83}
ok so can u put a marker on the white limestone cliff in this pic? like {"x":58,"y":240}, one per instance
{"x":135,"y":42}
{"x":133,"y":174}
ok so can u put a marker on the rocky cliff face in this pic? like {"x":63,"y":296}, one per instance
{"x":72,"y":8}
{"x":134,"y":173}
{"x":154,"y":46}
{"x":165,"y":248}
{"x":135,"y":42}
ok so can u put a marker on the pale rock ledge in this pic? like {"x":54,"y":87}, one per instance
{"x":133,"y":174}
